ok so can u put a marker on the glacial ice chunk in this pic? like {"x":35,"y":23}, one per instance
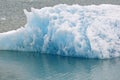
{"x":83,"y":31}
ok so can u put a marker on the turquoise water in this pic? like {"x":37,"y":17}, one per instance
{"x":36,"y":66}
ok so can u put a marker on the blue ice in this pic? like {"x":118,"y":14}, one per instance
{"x":71,"y":30}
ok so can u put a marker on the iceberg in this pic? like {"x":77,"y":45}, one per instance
{"x":91,"y":31}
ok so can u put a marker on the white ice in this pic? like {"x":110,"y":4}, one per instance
{"x":84,"y":31}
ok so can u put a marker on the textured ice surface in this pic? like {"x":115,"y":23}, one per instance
{"x":84,"y":31}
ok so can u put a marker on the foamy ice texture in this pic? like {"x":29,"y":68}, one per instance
{"x":83,"y":31}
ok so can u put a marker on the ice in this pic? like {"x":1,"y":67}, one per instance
{"x":3,"y":18}
{"x":91,"y":31}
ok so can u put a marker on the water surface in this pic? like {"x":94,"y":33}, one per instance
{"x":36,"y":66}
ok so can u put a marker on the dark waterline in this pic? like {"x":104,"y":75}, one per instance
{"x":36,"y":66}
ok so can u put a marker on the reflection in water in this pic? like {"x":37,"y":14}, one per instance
{"x":36,"y":66}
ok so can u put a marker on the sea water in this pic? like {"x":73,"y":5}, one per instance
{"x":37,"y":66}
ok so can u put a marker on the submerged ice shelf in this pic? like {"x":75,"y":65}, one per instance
{"x":84,"y":31}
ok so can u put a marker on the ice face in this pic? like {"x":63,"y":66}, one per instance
{"x":82,"y":31}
